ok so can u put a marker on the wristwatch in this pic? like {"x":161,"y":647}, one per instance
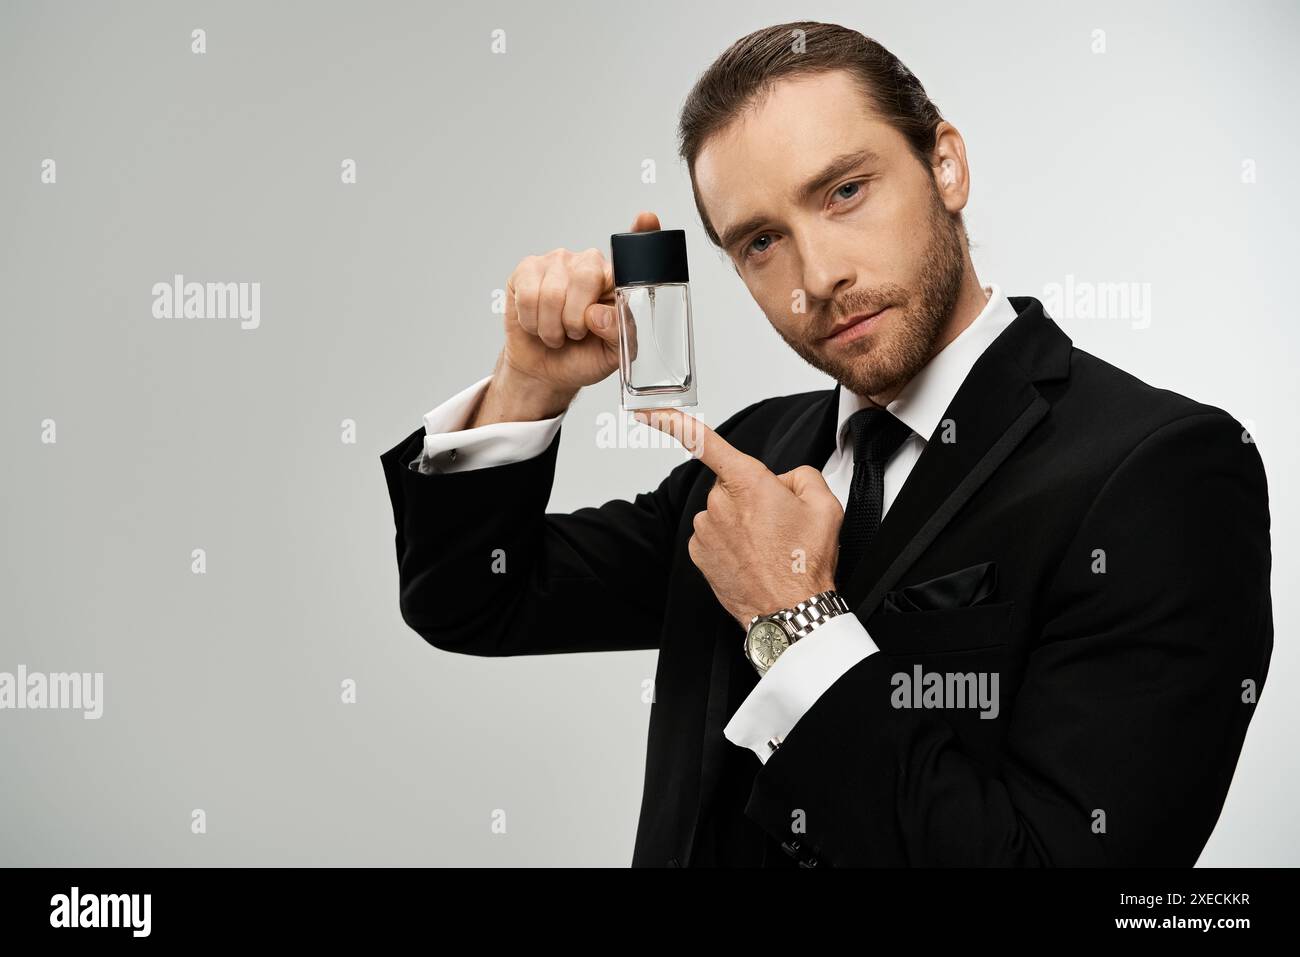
{"x":768,"y":636}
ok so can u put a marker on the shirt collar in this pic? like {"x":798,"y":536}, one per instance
{"x":923,"y":400}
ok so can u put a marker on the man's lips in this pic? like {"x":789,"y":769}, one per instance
{"x":856,"y":327}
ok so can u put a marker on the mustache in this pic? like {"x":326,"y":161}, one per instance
{"x":865,"y":309}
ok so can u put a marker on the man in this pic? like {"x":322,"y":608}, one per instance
{"x":1042,"y":614}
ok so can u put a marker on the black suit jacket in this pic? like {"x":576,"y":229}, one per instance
{"x":1123,"y":531}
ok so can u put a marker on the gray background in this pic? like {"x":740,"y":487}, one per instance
{"x":222,"y":690}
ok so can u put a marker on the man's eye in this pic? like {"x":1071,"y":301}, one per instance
{"x":750,"y":250}
{"x":847,"y":191}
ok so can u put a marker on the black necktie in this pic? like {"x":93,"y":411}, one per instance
{"x":876,"y":435}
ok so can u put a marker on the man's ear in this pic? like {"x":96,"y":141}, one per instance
{"x":948,"y":162}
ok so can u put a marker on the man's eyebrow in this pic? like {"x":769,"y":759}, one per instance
{"x":836,"y":168}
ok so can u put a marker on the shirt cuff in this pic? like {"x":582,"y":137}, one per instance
{"x":450,"y":447}
{"x":800,"y":676}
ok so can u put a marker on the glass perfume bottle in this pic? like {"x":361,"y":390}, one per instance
{"x":653,"y":301}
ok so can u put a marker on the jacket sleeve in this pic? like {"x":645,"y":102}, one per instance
{"x":1124,"y":735}
{"x":484,"y":569}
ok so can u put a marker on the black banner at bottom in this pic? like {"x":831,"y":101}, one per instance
{"x":334,"y":905}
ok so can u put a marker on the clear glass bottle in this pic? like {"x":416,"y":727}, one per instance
{"x":653,"y":301}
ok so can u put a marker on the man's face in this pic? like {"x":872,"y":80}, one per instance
{"x":875,"y":234}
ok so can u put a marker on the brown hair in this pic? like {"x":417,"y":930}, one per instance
{"x":750,"y":67}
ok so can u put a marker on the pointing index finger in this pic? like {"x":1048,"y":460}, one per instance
{"x":731,"y":465}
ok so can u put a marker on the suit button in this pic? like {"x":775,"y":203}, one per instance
{"x":805,"y":858}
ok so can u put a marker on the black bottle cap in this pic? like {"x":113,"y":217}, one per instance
{"x":656,"y":256}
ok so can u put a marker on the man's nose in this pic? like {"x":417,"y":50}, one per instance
{"x":827,"y":269}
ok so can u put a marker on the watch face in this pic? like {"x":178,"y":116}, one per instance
{"x":765,"y":642}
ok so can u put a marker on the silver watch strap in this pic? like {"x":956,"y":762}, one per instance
{"x":809,"y":614}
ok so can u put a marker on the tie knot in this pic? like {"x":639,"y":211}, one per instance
{"x":876,"y":435}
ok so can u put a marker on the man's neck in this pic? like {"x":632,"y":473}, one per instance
{"x":971,"y":301}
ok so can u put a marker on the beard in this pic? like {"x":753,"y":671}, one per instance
{"x":887,"y":357}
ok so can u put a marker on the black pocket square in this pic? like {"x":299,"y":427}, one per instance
{"x":959,"y":589}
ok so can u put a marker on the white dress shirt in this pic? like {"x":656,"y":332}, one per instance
{"x":807,"y":668}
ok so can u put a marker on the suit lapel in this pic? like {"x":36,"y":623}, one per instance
{"x":996,"y":407}
{"x":992,"y":412}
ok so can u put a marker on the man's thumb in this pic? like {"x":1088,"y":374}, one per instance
{"x":603,"y":322}
{"x":807,"y":483}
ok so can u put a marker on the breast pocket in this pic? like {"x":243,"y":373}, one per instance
{"x":942,"y":631}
